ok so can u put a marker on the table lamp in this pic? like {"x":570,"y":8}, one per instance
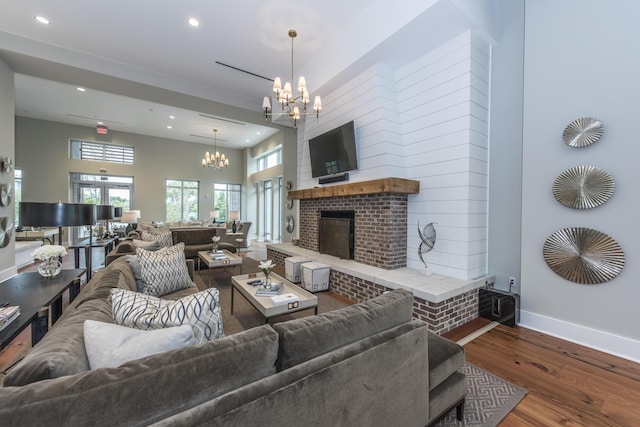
{"x":234,"y":215}
{"x":59,"y":215}
{"x":214,"y":215}
{"x":131,"y":218}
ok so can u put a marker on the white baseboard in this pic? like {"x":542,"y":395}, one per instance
{"x":593,"y":338}
{"x":9,"y":272}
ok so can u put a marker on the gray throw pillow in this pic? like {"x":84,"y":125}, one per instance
{"x":136,"y":268}
{"x":164,"y":271}
{"x":109,"y":345}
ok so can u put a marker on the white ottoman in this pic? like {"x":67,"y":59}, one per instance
{"x":315,"y":276}
{"x":292,"y":268}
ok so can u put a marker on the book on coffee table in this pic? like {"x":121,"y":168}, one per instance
{"x":8,"y":315}
{"x":284,"y":299}
{"x":275,"y":289}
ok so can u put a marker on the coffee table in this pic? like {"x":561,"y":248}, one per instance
{"x":306,"y":300}
{"x":207,"y":258}
{"x":32,"y":292}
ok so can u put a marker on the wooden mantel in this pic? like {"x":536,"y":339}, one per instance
{"x":376,"y":186}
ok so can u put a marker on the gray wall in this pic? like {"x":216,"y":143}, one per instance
{"x":581,"y":59}
{"x":42,"y":152}
{"x":7,"y":129}
{"x":505,"y":154}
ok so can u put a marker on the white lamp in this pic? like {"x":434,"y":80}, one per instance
{"x":214,"y":215}
{"x":131,"y":218}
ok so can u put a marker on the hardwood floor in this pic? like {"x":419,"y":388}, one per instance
{"x":568,"y":384}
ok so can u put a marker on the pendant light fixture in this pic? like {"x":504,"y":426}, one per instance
{"x":215,"y":159}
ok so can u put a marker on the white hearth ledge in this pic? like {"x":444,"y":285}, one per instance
{"x":435,"y":288}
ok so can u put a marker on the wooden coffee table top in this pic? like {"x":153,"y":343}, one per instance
{"x":207,"y":258}
{"x":264,"y":305}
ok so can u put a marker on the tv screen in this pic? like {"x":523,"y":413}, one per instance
{"x":333,"y":152}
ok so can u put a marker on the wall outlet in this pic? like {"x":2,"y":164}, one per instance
{"x":512,"y":284}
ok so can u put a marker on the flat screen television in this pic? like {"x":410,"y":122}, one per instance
{"x":334,"y":151}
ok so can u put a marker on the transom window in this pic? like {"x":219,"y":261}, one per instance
{"x":100,"y":152}
{"x":269,"y":160}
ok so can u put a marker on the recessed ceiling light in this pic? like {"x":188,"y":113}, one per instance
{"x":172,"y":117}
{"x":42,"y":20}
{"x":194,"y":22}
{"x":258,"y":133}
{"x":246,"y":140}
{"x":169,"y":127}
{"x":81,"y":89}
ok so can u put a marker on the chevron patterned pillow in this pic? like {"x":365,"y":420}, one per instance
{"x":164,"y":271}
{"x":201,"y":311}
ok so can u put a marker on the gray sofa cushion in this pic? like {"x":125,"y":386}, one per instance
{"x":61,"y":351}
{"x":309,"y":337}
{"x":146,"y":390}
{"x":445,"y":357}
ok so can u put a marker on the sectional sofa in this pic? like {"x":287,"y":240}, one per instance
{"x":367,"y":364}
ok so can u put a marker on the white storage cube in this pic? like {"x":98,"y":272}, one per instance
{"x":315,"y":276}
{"x":292,"y":268}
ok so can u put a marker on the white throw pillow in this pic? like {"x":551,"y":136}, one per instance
{"x":164,"y":271}
{"x":109,"y":345}
{"x":201,"y":311}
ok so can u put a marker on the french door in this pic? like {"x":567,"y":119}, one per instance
{"x":101,"y":190}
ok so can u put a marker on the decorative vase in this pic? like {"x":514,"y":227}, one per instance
{"x":50,"y":268}
{"x":234,"y":227}
{"x":267,"y":281}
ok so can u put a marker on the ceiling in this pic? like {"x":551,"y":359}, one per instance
{"x":141,"y":62}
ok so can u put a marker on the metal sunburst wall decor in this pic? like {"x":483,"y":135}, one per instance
{"x":428,"y":237}
{"x":583,"y":187}
{"x":583,"y":255}
{"x":582,"y":132}
{"x":6,"y":230}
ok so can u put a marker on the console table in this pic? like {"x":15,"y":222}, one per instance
{"x":107,"y":244}
{"x":32,"y":292}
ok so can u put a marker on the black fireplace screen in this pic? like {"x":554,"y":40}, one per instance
{"x":335,"y":235}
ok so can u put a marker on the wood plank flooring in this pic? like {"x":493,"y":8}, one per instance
{"x":568,"y":384}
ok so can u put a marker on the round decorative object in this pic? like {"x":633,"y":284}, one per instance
{"x":289,"y":203}
{"x":582,"y":132}
{"x":50,"y":268}
{"x":6,"y":194}
{"x":7,"y":165}
{"x":583,"y":187}
{"x":288,"y":185}
{"x":290,"y":224}
{"x":6,"y":230}
{"x":583,"y":255}
{"x":428,"y":237}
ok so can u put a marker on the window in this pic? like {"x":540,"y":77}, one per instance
{"x":182,"y":200}
{"x":270,"y":160}
{"x":97,"y":151}
{"x":17,"y":174}
{"x":226,"y":197}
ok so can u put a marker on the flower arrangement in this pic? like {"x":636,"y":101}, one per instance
{"x":214,"y":243}
{"x":48,"y":252}
{"x":266,"y":267}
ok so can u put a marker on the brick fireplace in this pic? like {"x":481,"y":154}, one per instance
{"x":380,"y":218}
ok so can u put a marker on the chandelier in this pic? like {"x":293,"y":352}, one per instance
{"x":215,"y":159}
{"x":292,"y":106}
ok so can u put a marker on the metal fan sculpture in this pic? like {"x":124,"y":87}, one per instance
{"x":428,"y":237}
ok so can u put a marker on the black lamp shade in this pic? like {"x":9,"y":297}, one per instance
{"x":57,"y":214}
{"x":105,"y":212}
{"x":117,"y":212}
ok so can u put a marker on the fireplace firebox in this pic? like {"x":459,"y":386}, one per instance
{"x":336,"y":233}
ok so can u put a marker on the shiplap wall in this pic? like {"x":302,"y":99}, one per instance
{"x":428,"y":121}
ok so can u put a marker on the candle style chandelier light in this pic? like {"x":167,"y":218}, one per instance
{"x":215,"y":159}
{"x":292,"y":106}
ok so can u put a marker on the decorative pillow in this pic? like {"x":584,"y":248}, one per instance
{"x":160,"y":235}
{"x":137,"y":271}
{"x":109,"y":345}
{"x":164,"y":271}
{"x":201,"y":311}
{"x":148,"y":245}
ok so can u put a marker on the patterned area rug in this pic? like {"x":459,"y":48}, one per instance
{"x":489,"y":399}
